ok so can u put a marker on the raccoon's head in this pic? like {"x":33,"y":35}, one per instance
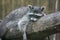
{"x":35,"y":12}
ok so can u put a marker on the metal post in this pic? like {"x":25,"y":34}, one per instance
{"x":56,"y":9}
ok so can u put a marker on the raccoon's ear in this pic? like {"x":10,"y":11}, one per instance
{"x":43,"y":8}
{"x":30,"y":6}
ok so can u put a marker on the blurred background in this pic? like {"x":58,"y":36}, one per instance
{"x":7,"y":6}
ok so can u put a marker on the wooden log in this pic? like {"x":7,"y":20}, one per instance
{"x":45,"y":26}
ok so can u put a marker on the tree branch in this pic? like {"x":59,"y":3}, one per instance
{"x":44,"y":27}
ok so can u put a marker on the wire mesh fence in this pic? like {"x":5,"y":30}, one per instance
{"x":7,"y":6}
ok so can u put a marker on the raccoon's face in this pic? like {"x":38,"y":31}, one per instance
{"x":35,"y":13}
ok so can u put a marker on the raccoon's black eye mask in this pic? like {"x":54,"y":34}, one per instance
{"x":35,"y":17}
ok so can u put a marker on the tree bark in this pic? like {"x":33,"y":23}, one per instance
{"x":45,"y":26}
